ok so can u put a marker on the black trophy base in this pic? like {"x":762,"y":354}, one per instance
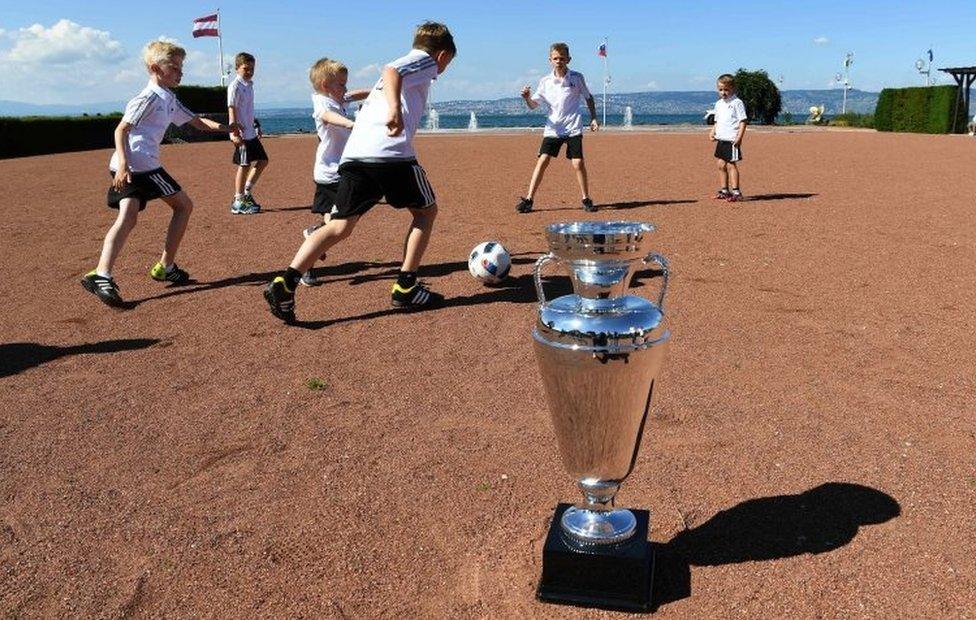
{"x":610,"y":577}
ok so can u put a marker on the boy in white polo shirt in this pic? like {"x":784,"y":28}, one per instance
{"x":138,"y":177}
{"x":379,"y":160}
{"x":333,"y":125}
{"x":730,"y":126}
{"x":562,"y":90}
{"x":249,"y":155}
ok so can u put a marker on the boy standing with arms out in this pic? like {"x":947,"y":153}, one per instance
{"x":730,"y":126}
{"x":333,"y":125}
{"x":249,"y":155}
{"x":561,"y":90}
{"x":138,"y":177}
{"x":379,"y":160}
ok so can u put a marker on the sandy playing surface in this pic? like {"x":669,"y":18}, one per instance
{"x":812,"y":450}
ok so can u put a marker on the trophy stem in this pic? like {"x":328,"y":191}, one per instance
{"x":595,"y":521}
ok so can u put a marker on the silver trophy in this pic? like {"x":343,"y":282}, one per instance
{"x":600,"y":352}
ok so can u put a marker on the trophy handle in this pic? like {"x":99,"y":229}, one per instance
{"x":537,"y":275}
{"x":666,"y":270}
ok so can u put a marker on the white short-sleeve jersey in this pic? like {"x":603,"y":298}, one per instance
{"x":240,"y":94}
{"x":150,"y":113}
{"x":368,"y":140}
{"x":728,"y":114}
{"x":563,"y":95}
{"x":332,"y":139}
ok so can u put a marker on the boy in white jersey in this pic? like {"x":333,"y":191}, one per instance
{"x":730,"y":126}
{"x":138,"y":177}
{"x":379,"y":160}
{"x":249,"y":155}
{"x":333,"y":125}
{"x":562,"y":91}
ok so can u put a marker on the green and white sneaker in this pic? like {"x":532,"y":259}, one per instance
{"x":174,"y":274}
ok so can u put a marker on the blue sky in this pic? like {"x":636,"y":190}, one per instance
{"x":56,"y":51}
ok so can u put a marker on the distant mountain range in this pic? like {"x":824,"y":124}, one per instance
{"x":679,"y":102}
{"x":656,"y":102}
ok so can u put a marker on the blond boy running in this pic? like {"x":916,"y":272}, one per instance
{"x":138,"y":176}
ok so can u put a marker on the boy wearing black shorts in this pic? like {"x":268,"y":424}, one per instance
{"x":562,"y":91}
{"x":333,"y":125}
{"x":249,"y":154}
{"x":138,"y":177}
{"x":379,"y":161}
{"x":727,"y":132}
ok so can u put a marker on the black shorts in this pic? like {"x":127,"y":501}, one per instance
{"x":325,"y":197}
{"x":726,"y":151}
{"x":145,"y":186}
{"x":574,"y":146}
{"x":249,"y":152}
{"x":363,"y":184}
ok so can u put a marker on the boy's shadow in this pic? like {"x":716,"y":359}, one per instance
{"x":633,"y":204}
{"x":17,"y":357}
{"x":518,"y":290}
{"x":760,"y":197}
{"x":816,"y":521}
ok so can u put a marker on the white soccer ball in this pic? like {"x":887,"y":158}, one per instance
{"x":489,"y":262}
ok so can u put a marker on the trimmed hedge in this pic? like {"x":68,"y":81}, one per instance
{"x":41,"y":135}
{"x":203,"y":99}
{"x":923,"y":109}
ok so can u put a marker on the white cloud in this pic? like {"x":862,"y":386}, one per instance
{"x":821,"y":40}
{"x":163,"y":37}
{"x":64,"y":43}
{"x":371,"y":70}
{"x":652,"y":85}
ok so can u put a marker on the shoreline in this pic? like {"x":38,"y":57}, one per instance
{"x":637,"y":129}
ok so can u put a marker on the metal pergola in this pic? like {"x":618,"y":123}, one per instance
{"x":964,"y":77}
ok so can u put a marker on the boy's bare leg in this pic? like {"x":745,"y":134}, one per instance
{"x":117,"y":234}
{"x":580,"y":167}
{"x":733,"y":176}
{"x":320,"y":241}
{"x":182,"y":208}
{"x":239,"y":180}
{"x":255,"y":172}
{"x":417,"y":237}
{"x":540,"y":168}
{"x":723,"y":173}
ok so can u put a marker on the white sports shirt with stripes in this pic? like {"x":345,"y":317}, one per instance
{"x":332,"y":139}
{"x":368,"y":141}
{"x":563,"y":95}
{"x":240,"y":94}
{"x":728,"y":114}
{"x":150,"y":113}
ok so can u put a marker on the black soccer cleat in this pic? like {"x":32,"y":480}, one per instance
{"x":104,"y":288}
{"x":588,"y":205}
{"x":524,"y":205}
{"x":413,"y":298}
{"x":280,"y":300}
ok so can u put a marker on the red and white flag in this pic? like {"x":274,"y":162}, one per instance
{"x":206,"y":26}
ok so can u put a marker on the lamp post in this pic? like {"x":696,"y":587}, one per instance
{"x":846,"y":78}
{"x":924,"y":69}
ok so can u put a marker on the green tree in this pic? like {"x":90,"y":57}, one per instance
{"x":759,"y":94}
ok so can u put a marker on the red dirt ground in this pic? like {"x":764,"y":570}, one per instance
{"x":812,"y":451}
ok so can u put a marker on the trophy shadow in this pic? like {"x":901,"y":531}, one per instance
{"x":819,"y":520}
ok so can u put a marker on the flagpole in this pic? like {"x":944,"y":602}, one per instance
{"x":220,"y":50}
{"x":606,"y":80}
